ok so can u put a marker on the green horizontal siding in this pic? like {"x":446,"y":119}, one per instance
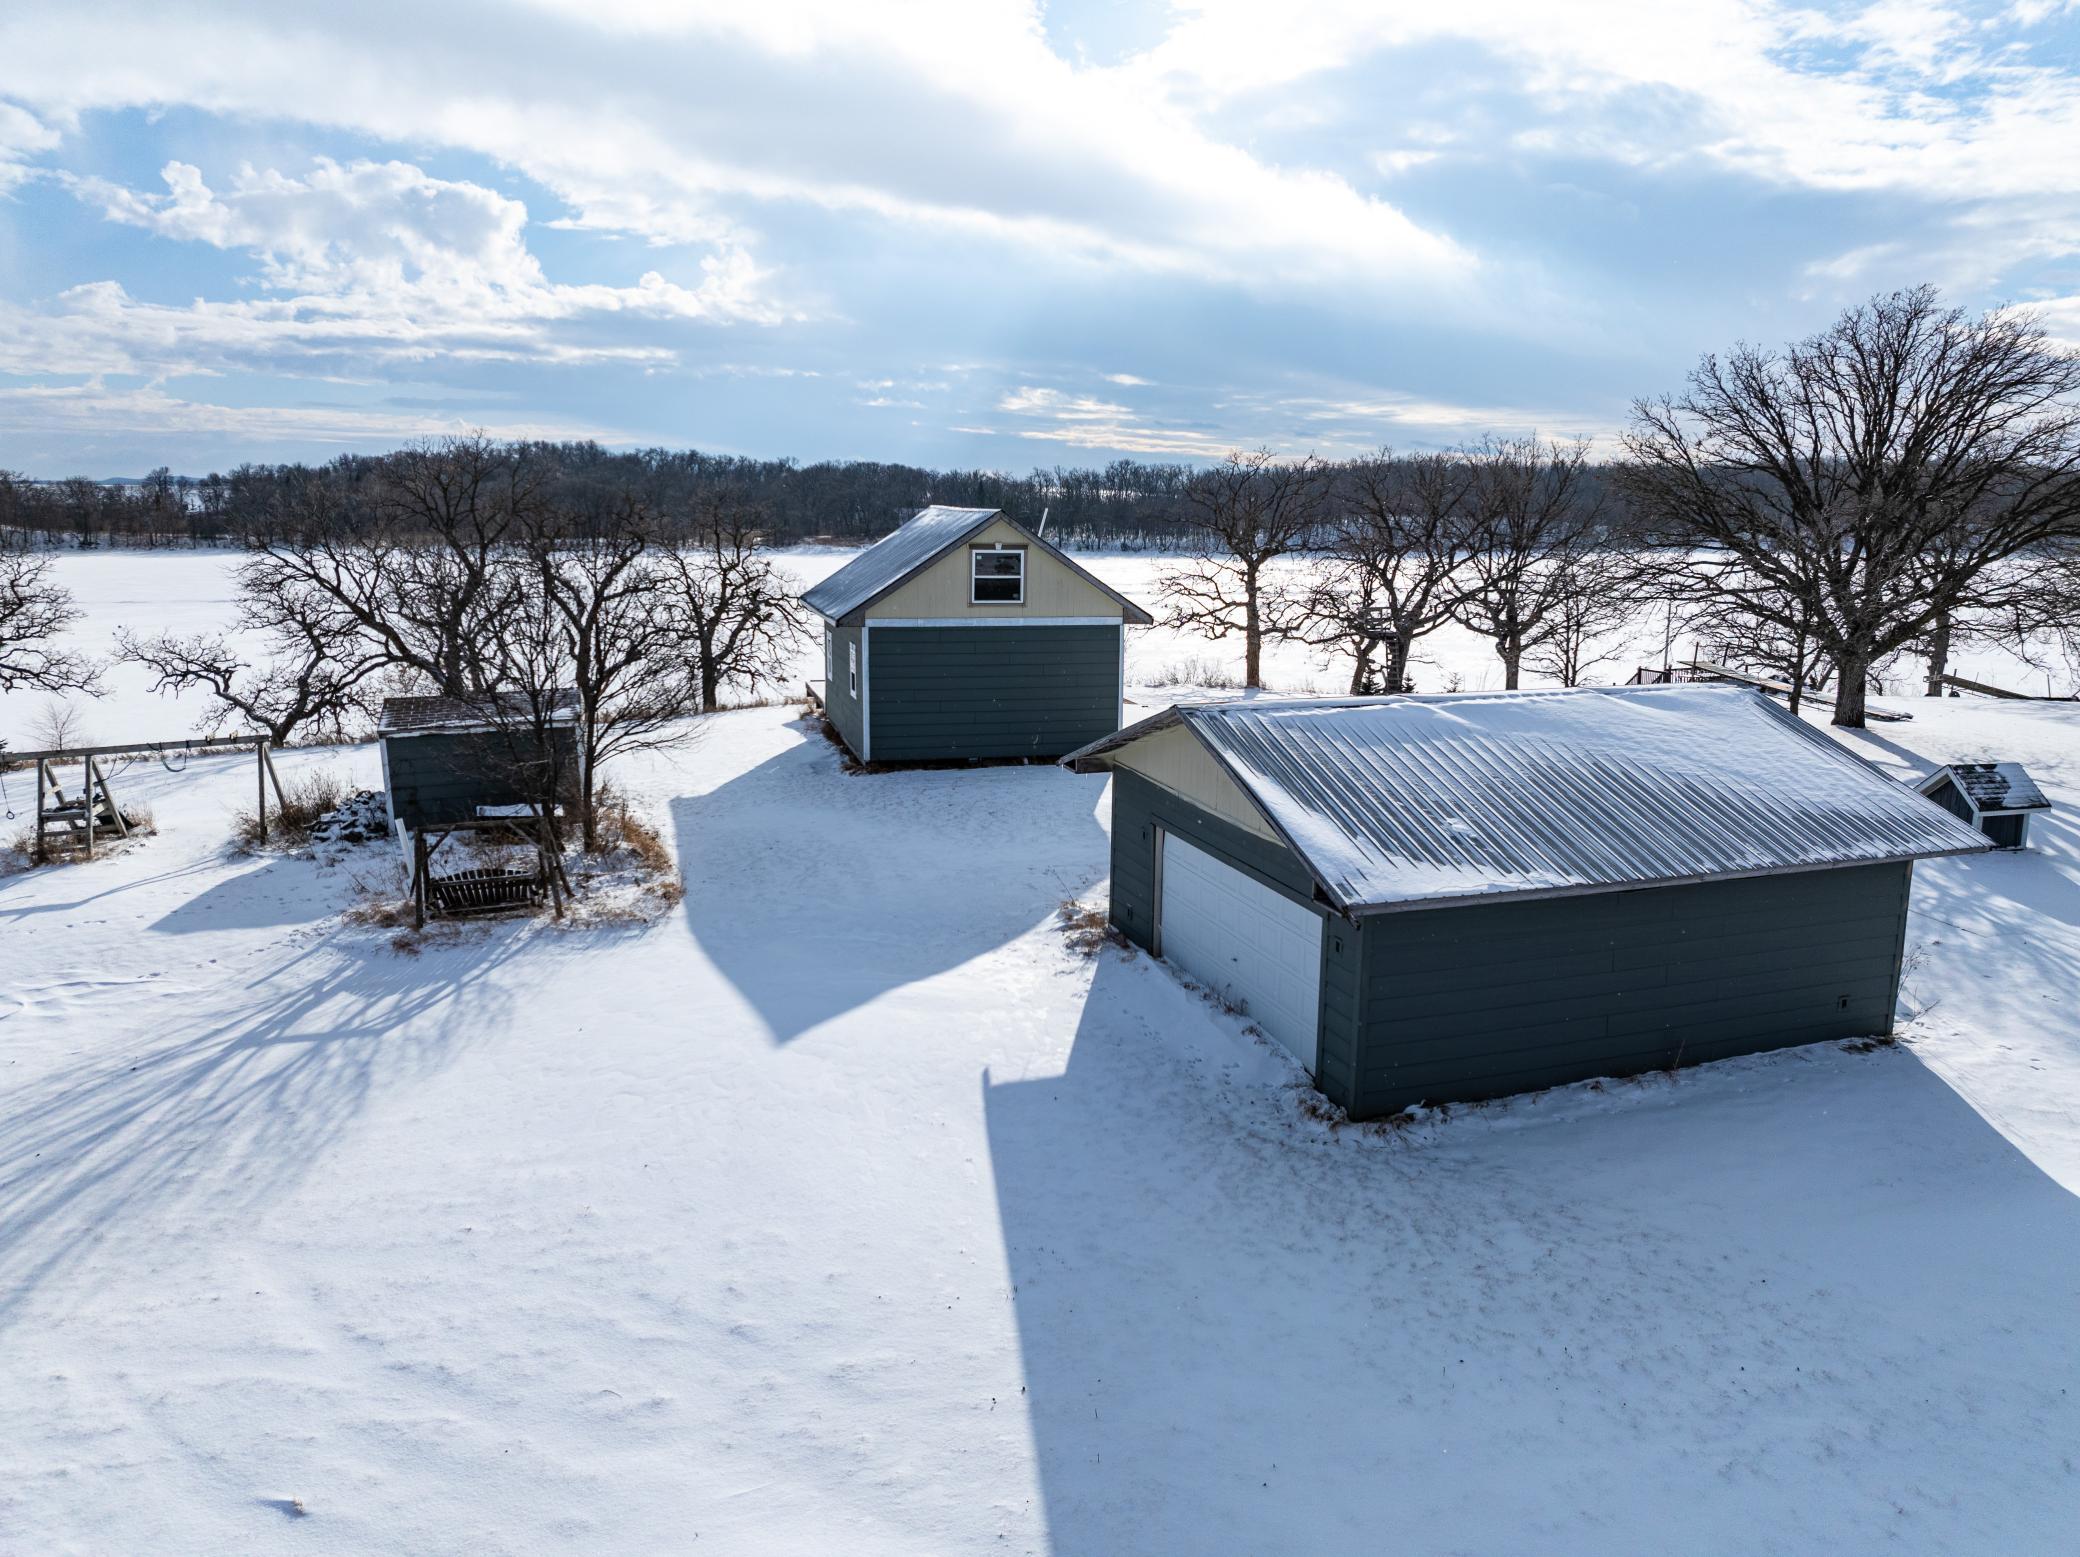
{"x":1481,"y":1000}
{"x":444,"y":778}
{"x":975,"y":692}
{"x":839,"y":704}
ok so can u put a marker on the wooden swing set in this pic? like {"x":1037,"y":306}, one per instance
{"x":90,"y":813}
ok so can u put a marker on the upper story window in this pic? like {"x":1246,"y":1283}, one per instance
{"x":999,"y":575}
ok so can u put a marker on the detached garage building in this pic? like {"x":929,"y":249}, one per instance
{"x":964,"y":634}
{"x":1437,"y":899}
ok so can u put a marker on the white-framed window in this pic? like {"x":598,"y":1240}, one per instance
{"x":997,"y":575}
{"x":852,"y":666}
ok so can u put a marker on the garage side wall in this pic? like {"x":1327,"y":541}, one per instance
{"x":839,"y":704}
{"x":1476,"y":1002}
{"x":991,"y":691}
{"x":1139,"y":808}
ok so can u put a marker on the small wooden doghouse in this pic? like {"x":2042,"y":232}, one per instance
{"x":1998,"y":798}
{"x":965,"y":635}
{"x":1438,"y":899}
{"x":448,"y":759}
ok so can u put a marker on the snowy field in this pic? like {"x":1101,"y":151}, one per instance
{"x":186,"y":592}
{"x":849,"y":1209}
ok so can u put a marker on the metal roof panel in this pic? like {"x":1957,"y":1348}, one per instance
{"x":1403,"y":801}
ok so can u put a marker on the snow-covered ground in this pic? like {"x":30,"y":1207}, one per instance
{"x":849,"y":1209}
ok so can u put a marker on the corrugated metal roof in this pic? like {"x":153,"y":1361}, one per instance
{"x":424,"y":715}
{"x":1992,"y":786}
{"x":1404,"y":801}
{"x":926,"y":536}
{"x":895,"y":557}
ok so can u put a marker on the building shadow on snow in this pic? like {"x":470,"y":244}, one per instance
{"x":228,"y":1116}
{"x":815,"y":891}
{"x":1778,"y":1303}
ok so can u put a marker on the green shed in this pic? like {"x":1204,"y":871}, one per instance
{"x":1998,"y":798}
{"x":451,"y":759}
{"x":1441,"y":899}
{"x":965,"y":635}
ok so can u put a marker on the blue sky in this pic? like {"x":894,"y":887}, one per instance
{"x":980,"y":232}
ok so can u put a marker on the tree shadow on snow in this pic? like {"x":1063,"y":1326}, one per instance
{"x":1806,"y":1298}
{"x":814,"y":891}
{"x":282,"y":891}
{"x":227,"y":1117}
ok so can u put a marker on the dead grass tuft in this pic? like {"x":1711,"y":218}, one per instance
{"x":306,"y":801}
{"x":1088,"y":928}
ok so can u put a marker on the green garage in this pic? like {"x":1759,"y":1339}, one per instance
{"x":965,"y":635}
{"x":1441,"y":899}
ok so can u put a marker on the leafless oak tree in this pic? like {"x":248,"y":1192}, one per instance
{"x":417,"y":569}
{"x":599,"y":621}
{"x":1536,"y":525}
{"x":1248,"y":511}
{"x":1397,"y":556}
{"x":739,"y":615}
{"x":34,"y":610}
{"x":1869,"y":479}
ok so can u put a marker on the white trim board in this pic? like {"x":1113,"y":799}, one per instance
{"x":995,"y":621}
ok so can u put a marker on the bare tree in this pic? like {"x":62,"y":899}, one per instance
{"x":1593,"y":600}
{"x":59,"y":726}
{"x":1536,"y":522}
{"x":34,"y":609}
{"x":740,"y":616}
{"x":1247,"y":512}
{"x":604,"y":595}
{"x":418,"y":569}
{"x":1396,"y":558}
{"x":1869,"y":478}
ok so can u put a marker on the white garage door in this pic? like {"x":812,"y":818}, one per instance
{"x":1236,"y":935}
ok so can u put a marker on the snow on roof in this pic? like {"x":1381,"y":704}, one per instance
{"x":1403,"y":801}
{"x":925,"y":537}
{"x":893,"y":558}
{"x":1991,"y":786}
{"x":424,"y":715}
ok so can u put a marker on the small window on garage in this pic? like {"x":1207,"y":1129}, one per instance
{"x":852,"y":667}
{"x":999,"y":575}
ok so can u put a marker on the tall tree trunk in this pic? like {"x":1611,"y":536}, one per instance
{"x":711,"y":688}
{"x":1852,"y":671}
{"x":1252,"y":640}
{"x":1939,"y":655}
{"x":1511,"y":648}
{"x":1361,"y":671}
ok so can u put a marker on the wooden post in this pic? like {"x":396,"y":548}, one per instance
{"x":86,"y":801}
{"x":552,"y":863}
{"x":41,"y":774}
{"x":260,"y":784}
{"x":94,"y":772}
{"x":267,"y":757}
{"x":418,"y":881}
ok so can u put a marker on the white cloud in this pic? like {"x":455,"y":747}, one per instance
{"x":1027,"y":400}
{"x":95,"y":409}
{"x":1860,"y":98}
{"x":673,"y":121}
{"x":22,"y":137}
{"x":374,"y":262}
{"x":1129,"y":380}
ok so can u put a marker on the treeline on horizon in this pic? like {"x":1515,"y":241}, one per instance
{"x":1127,"y":504}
